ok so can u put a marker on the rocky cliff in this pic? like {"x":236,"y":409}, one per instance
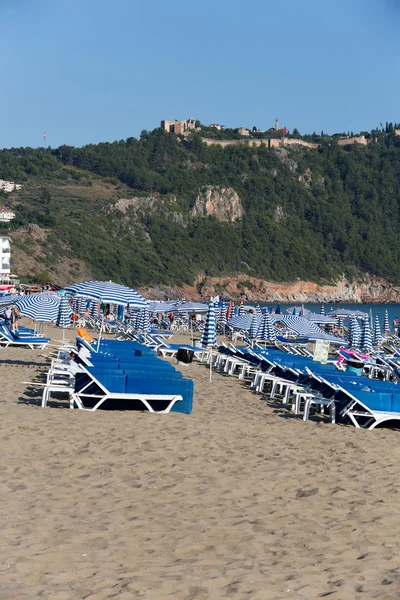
{"x":222,"y":203}
{"x":369,"y":290}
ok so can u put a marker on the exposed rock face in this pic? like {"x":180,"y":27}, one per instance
{"x":222,"y":203}
{"x":258,"y":290}
{"x":138,"y":206}
{"x":284,"y":157}
{"x":35,"y":231}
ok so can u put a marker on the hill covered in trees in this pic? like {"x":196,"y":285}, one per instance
{"x":136,"y":211}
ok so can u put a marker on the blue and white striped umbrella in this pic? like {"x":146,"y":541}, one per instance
{"x":209,"y":335}
{"x":254,"y":326}
{"x":94,"y":309}
{"x":366,"y":338}
{"x":266,"y":330}
{"x":143,"y":322}
{"x":377,"y":332}
{"x":322,"y":311}
{"x":108,"y":293}
{"x":40,"y":307}
{"x":354,"y":333}
{"x":258,"y":309}
{"x":386,"y":325}
{"x":339,"y":322}
{"x":64,"y":313}
{"x":242,"y":311}
{"x":222,"y":314}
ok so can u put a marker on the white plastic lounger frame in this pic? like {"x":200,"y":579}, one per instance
{"x":374,"y":417}
{"x":144,"y":398}
{"x":76,"y":398}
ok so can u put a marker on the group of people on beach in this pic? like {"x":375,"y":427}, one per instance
{"x":11,"y":317}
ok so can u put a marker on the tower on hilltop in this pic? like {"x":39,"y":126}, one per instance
{"x":276,"y":124}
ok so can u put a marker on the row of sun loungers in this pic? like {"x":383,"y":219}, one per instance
{"x":303,"y":384}
{"x":122,"y":374}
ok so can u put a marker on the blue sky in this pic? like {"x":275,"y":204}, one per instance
{"x":87,"y":71}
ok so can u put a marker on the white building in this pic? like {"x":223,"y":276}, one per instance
{"x":9,"y":186}
{"x":5,"y":255}
{"x":6,"y":215}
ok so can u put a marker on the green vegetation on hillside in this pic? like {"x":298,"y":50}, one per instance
{"x":309,"y":214}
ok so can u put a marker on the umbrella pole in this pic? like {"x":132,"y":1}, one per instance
{"x":210,"y":364}
{"x":99,"y":338}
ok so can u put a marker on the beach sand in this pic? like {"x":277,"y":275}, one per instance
{"x":237,"y":500}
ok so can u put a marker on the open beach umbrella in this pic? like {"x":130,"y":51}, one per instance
{"x":43,"y":308}
{"x":386,"y":325}
{"x":108,"y":292}
{"x":366,"y":338}
{"x":209,"y":335}
{"x":266,"y":330}
{"x":377,"y":332}
{"x":254,"y":326}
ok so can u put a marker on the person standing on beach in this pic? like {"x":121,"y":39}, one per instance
{"x":8,"y":316}
{"x":15,"y":318}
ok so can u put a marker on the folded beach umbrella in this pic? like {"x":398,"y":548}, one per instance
{"x":377,"y":332}
{"x":258,"y":309}
{"x":354,"y":333}
{"x":64,"y":313}
{"x":339,"y":322}
{"x":143,"y":322}
{"x":209,"y":335}
{"x":229,"y":311}
{"x":322,"y":311}
{"x":366,"y":338}
{"x":254,"y":326}
{"x":266,"y":330}
{"x":278,"y":310}
{"x":386,"y":326}
{"x":94,"y":309}
{"x":40,"y":307}
{"x":242,"y":310}
{"x":222,"y":314}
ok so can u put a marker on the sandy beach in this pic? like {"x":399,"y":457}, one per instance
{"x":240,"y":499}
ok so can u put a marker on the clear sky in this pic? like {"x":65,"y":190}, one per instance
{"x":87,"y":71}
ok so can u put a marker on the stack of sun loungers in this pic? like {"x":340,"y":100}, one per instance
{"x":302,"y":384}
{"x":121,"y":375}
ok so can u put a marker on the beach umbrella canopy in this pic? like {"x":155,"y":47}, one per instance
{"x":258,"y":309}
{"x":377,"y":332}
{"x":266,"y":330}
{"x":229,"y":311}
{"x":278,"y":310}
{"x":108,"y":293}
{"x":64,"y":313}
{"x":242,"y":310}
{"x":366,"y":338}
{"x":209,"y":335}
{"x":322,"y":311}
{"x":254,"y":326}
{"x":40,"y":307}
{"x":386,"y":325}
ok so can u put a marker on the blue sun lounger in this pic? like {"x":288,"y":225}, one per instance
{"x":7,"y":338}
{"x":161,"y":394}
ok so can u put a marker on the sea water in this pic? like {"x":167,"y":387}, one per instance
{"x":376,"y":309}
